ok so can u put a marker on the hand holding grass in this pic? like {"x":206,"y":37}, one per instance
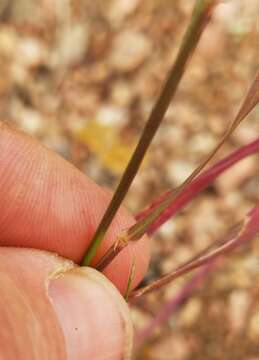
{"x":51,"y":306}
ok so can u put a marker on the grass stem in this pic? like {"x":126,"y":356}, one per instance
{"x":200,"y":17}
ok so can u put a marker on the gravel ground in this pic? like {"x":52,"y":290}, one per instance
{"x":82,"y":76}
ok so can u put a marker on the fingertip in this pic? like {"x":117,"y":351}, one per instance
{"x":50,"y":205}
{"x":51,"y":308}
{"x":93,"y":315}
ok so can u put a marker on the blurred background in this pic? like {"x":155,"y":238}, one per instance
{"x":82,"y":76}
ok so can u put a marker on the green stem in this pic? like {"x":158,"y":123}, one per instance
{"x":200,"y":17}
{"x":130,"y":280}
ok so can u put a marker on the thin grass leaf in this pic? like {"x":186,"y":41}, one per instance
{"x":251,"y":99}
{"x":197,"y":186}
{"x":130,"y":279}
{"x":142,"y":226}
{"x":200,"y":17}
{"x":192,"y":190}
{"x":167,"y":309}
{"x":172,"y":305}
{"x":248,"y":230}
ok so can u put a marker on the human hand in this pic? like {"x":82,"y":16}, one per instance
{"x":49,"y":307}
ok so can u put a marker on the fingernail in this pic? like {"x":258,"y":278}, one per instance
{"x":93,"y":315}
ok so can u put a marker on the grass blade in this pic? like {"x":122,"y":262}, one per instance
{"x":249,"y":229}
{"x":192,"y":190}
{"x":196,"y":186}
{"x":165,"y":312}
{"x":130,"y":279}
{"x":200,"y":17}
{"x":142,"y":226}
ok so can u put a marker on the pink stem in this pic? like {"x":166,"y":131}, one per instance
{"x":197,"y":185}
{"x":166,"y":310}
{"x":249,"y":230}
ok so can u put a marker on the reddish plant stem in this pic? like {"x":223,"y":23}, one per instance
{"x":192,"y":190}
{"x":142,"y":226}
{"x":198,"y":185}
{"x":166,"y":310}
{"x":249,"y":229}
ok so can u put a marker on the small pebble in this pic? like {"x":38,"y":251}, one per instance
{"x":130,"y":49}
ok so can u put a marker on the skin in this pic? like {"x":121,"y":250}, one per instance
{"x":50,"y":307}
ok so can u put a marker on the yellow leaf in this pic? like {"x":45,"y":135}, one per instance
{"x":105,"y":142}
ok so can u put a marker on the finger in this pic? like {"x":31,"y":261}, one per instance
{"x":46,"y":203}
{"x":51,"y":310}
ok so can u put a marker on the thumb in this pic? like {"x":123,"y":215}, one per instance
{"x":53,"y":310}
{"x":93,"y":315}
